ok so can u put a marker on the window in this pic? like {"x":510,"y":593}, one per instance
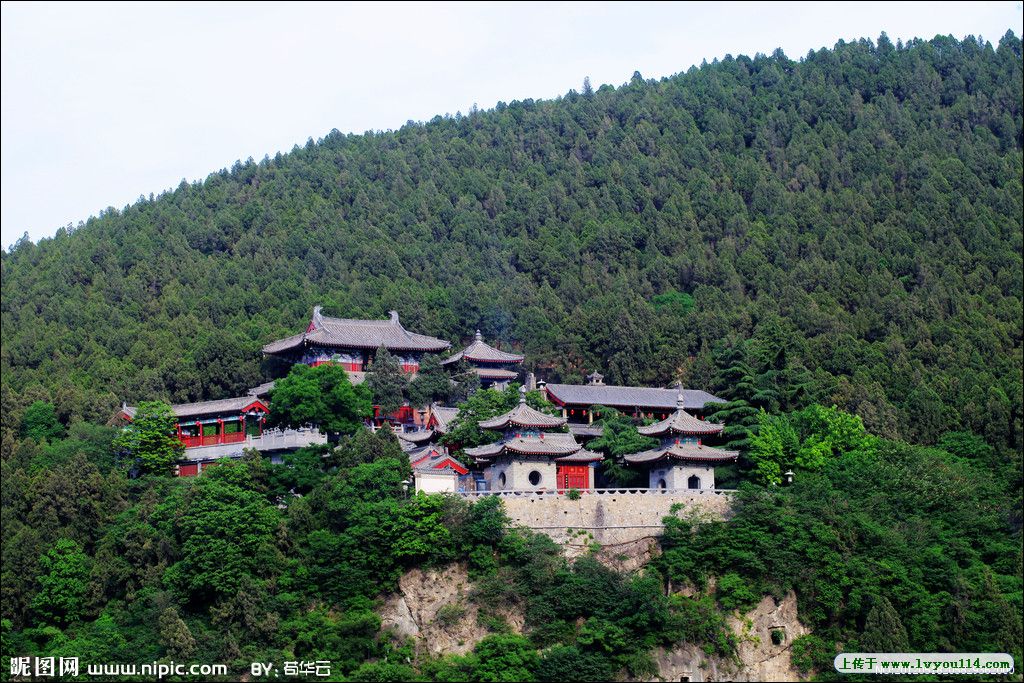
{"x":662,"y":484}
{"x":693,"y":482}
{"x":534,"y":478}
{"x":501,"y":480}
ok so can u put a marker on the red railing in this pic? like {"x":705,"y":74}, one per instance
{"x":211,"y":439}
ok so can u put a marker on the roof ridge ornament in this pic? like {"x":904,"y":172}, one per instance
{"x":680,"y":401}
{"x":478,"y":336}
{"x":318,"y":317}
{"x":394,"y":317}
{"x":522,"y":395}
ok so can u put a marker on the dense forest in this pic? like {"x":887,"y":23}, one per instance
{"x":831,"y":244}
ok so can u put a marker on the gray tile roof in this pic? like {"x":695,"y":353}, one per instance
{"x":362,"y":334}
{"x":443,"y":415}
{"x":683,"y":452}
{"x":495,"y":373}
{"x":431,"y":465}
{"x":522,"y":416}
{"x":485,"y":353}
{"x":680,"y":422}
{"x":485,"y":451}
{"x":417,"y":437}
{"x":219,"y":407}
{"x":582,"y":455}
{"x":585,"y":430}
{"x":262,"y":389}
{"x":629,"y":397}
{"x":554,"y":444}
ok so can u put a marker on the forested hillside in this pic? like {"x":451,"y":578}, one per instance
{"x":848,"y":225}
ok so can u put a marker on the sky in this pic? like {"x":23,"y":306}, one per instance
{"x":104,"y":103}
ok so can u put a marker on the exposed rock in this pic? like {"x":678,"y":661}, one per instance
{"x":759,"y":658}
{"x":433,"y":607}
{"x":627,"y":557}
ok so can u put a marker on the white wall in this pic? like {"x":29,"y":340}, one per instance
{"x":517,"y":473}
{"x":676,"y":476}
{"x":436,"y":482}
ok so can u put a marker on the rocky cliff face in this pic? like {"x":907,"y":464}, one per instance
{"x":433,"y":608}
{"x":760,"y":658}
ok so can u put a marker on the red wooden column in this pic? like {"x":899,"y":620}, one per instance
{"x":220,"y":430}
{"x":241,"y":423}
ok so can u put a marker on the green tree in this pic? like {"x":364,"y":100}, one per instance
{"x":883,"y":630}
{"x":432,"y":383}
{"x":175,"y":635}
{"x":63,"y":584}
{"x":150,"y":438}
{"x":226,"y":534}
{"x":486,"y":403}
{"x":620,"y":437}
{"x":387,"y":382}
{"x":464,"y":382}
{"x":321,"y":396}
{"x":40,"y":422}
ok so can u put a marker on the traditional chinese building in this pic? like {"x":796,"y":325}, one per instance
{"x":435,"y":471}
{"x":529,"y":458}
{"x":353,"y":343}
{"x":577,"y":400}
{"x":211,"y":430}
{"x":211,"y":423}
{"x":496,"y":368}
{"x":441,"y":418}
{"x":681,"y":461}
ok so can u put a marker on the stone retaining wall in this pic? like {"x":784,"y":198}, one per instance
{"x":610,"y":517}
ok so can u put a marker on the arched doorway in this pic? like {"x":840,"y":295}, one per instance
{"x":661,"y":484}
{"x":693,"y":482}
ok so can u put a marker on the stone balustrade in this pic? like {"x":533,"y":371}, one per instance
{"x":270,"y":440}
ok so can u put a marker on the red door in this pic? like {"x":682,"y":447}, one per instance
{"x":189,"y":470}
{"x":573,"y":477}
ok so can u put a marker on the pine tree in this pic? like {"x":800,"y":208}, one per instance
{"x":150,"y":438}
{"x":431,"y":384}
{"x":883,"y":629}
{"x":387,"y":382}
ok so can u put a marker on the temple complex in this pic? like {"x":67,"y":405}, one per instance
{"x":528,"y":458}
{"x":353,"y":343}
{"x":534,"y":452}
{"x":496,"y":368}
{"x":681,"y":461}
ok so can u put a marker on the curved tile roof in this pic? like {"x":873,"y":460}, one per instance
{"x":582,"y":455}
{"x":554,"y":444}
{"x":495,"y":373}
{"x":443,"y":416}
{"x":416,"y":437}
{"x":484,"y":353}
{"x":363,"y":334}
{"x":684,"y":452}
{"x":522,"y":416}
{"x":680,"y":422}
